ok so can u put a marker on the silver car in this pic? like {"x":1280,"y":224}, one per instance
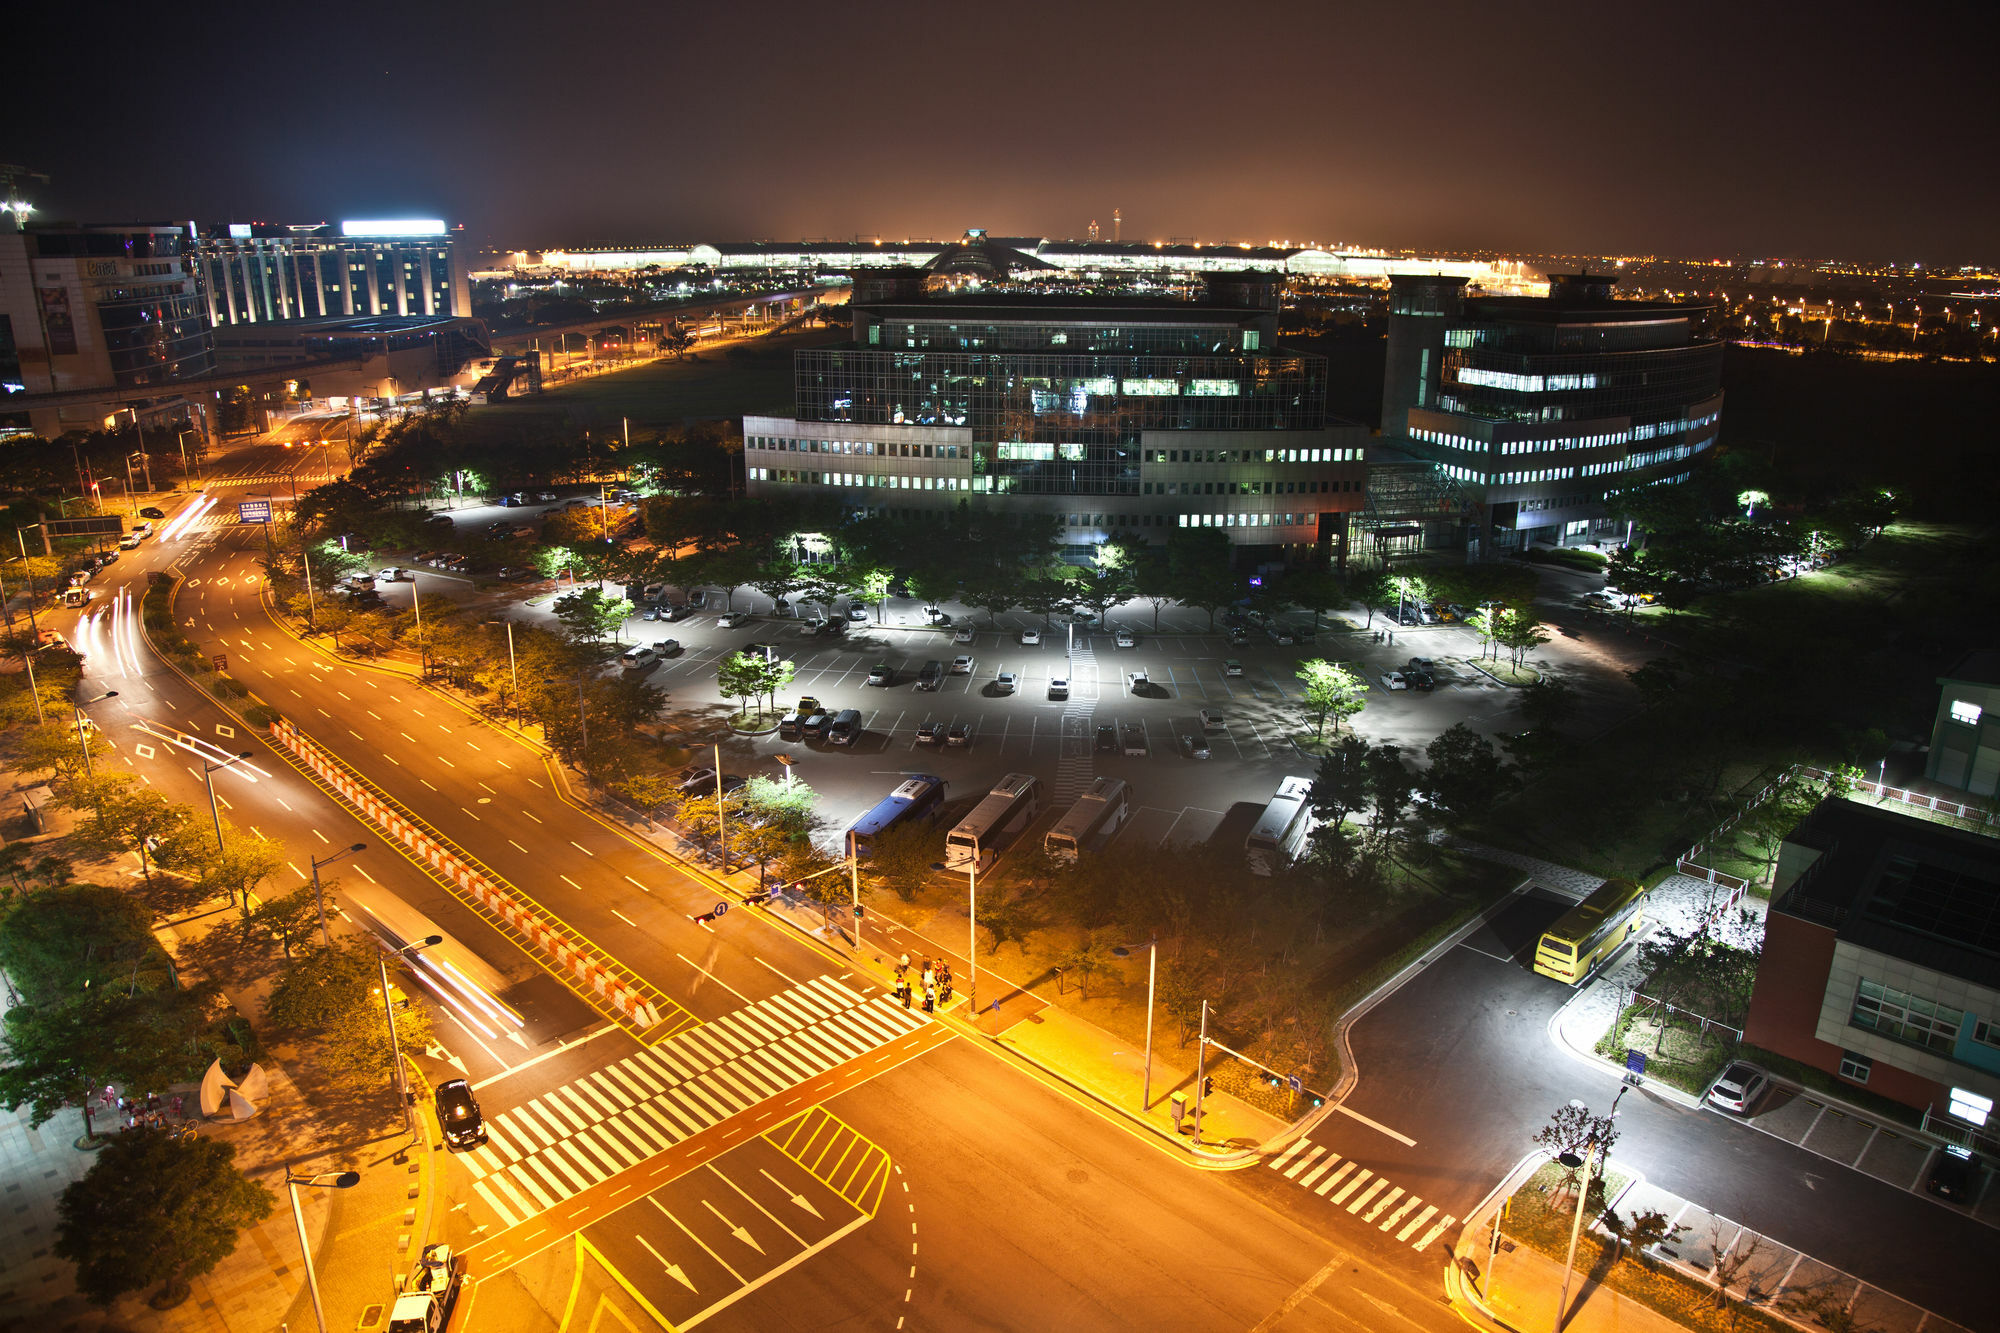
{"x":1737,"y":1088}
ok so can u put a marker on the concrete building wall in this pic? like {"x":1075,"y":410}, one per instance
{"x":1965,"y":748}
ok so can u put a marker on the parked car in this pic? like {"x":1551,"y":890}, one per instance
{"x":1107,"y":738}
{"x":1194,"y":747}
{"x":1058,"y":688}
{"x":1281,"y":636}
{"x":1232,"y":667}
{"x":881,"y":674}
{"x":458,"y":1113}
{"x":930,"y":733}
{"x":652,"y":593}
{"x":639,"y":659}
{"x":1238,"y":638}
{"x":695,"y":779}
{"x":732,"y":619}
{"x":545,"y":496}
{"x":962,"y":664}
{"x":1421,"y":664}
{"x":931,"y":675}
{"x":151,"y":512}
{"x":1212,"y":719}
{"x":958,"y":733}
{"x":858,"y":614}
{"x":439,"y":521}
{"x":1394,"y":680}
{"x":1738,"y":1087}
{"x":676,"y":612}
{"x":1133,"y":736}
{"x":810,"y":704}
{"x":668,"y":647}
{"x":1419,"y":680}
{"x":815,"y":725}
{"x":1124,"y":638}
{"x":963,"y":634}
{"x":1031,"y":638}
{"x":1006,"y":682}
{"x":130,"y":541}
{"x":1957,"y":1175}
{"x":846,"y":725}
{"x":788,"y":727}
{"x":399,"y":574}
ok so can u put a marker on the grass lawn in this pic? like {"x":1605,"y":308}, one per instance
{"x":753,"y":377}
{"x":1681,"y":1055}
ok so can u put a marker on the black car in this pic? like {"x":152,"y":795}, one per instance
{"x":1957,"y":1177}
{"x":1107,"y":739}
{"x":1419,"y":680}
{"x":458,"y":1113}
{"x":150,"y":512}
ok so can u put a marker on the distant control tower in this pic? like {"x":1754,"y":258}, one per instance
{"x":1117,"y":225}
{"x":1093,"y":231}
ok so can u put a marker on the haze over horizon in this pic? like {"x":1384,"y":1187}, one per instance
{"x":1718,"y":131}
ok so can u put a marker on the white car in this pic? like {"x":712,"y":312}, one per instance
{"x":732,"y":619}
{"x":1232,"y":667}
{"x":640,"y":658}
{"x":857,"y":614}
{"x":1393,"y":680}
{"x":1125,"y":639}
{"x":963,"y":634}
{"x":1006,"y":682}
{"x":397,"y":574}
{"x":1058,"y":688}
{"x":962,"y":664}
{"x":1030,"y":638}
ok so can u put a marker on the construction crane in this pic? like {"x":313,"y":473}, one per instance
{"x":13,"y":203}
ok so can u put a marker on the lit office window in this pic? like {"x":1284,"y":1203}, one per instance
{"x":1968,"y":713}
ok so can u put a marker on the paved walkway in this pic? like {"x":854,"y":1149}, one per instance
{"x":1562,"y":878}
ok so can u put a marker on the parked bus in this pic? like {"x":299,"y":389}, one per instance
{"x":1281,"y":830}
{"x":1591,"y":931}
{"x":920,"y":798}
{"x":1012,"y":804}
{"x":1099,"y":811}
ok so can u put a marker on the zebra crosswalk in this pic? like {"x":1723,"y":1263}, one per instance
{"x":1364,"y":1194}
{"x":574,"y":1136}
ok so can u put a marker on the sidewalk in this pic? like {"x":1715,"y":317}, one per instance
{"x":1519,"y":1287}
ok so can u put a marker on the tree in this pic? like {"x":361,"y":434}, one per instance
{"x":52,"y":747}
{"x":58,"y":1054}
{"x":1314,"y":590}
{"x":1084,"y":960}
{"x":1332,"y":690}
{"x":1390,"y":784}
{"x":127,"y":819}
{"x":1574,"y":1131}
{"x":1198,"y":561}
{"x":155,"y":1207}
{"x":1341,"y":785}
{"x":902,"y":857}
{"x":1466,"y":776}
{"x":204,"y":871}
{"x":332,"y":994}
{"x":1728,"y":1258}
{"x":290,"y":918}
{"x":590,"y":616}
{"x":1548,"y":702}
{"x":1008,"y":915}
{"x":1372,"y":588}
{"x":1639,"y":1232}
{"x":60,"y":942}
{"x":1517,"y":632}
{"x":746,"y":676}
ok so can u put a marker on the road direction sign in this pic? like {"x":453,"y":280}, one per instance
{"x":1295,"y":1083}
{"x":1635,"y":1061}
{"x":221,"y":661}
{"x":253,"y":511}
{"x":105,"y":525}
{"x":721,"y":908}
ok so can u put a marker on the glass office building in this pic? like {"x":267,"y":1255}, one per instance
{"x":1123,"y":416}
{"x":1539,"y":408}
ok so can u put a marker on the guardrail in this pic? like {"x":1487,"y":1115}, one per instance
{"x":517,"y":915}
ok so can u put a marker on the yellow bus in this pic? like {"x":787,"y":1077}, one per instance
{"x":1591,"y":931}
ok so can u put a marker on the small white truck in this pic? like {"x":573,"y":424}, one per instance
{"x":431,"y":1293}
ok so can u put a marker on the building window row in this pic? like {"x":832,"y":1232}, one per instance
{"x":1904,"y":1017}
{"x":895,"y":481}
{"x":1245,"y":520}
{"x":1467,"y":444}
{"x":865,"y":448}
{"x":1246,"y":487}
{"x":1253,"y":455}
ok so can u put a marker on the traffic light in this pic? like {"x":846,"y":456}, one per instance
{"x":1208,"y":1086}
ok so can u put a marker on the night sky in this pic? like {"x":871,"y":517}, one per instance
{"x":1837,"y":129}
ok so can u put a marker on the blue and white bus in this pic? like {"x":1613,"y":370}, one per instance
{"x":919,"y":798}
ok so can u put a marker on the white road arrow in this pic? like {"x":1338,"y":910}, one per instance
{"x":798,"y":1199}
{"x":673,"y":1269}
{"x":734,"y":1230}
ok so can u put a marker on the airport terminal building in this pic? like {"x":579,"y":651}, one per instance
{"x":1537,"y":408}
{"x":1121,"y":416}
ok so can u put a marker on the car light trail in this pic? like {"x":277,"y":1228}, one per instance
{"x":202,"y":749}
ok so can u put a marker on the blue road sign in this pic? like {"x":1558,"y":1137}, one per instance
{"x":721,"y":908}
{"x":253,"y":511}
{"x":1295,"y":1083}
{"x":1635,"y":1061}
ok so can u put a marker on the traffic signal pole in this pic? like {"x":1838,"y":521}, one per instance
{"x":1200,"y":1072}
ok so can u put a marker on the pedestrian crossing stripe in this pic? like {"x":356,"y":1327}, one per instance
{"x":834,"y":1154}
{"x":574,"y":1136}
{"x":1348,"y":1185}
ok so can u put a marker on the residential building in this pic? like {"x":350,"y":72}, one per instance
{"x":1881,"y":960}
{"x":1121,"y":416}
{"x":1538,"y":408}
{"x":1965,"y":736}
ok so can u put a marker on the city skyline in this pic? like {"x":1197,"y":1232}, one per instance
{"x":1548,"y":136}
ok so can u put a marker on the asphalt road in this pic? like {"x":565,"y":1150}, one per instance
{"x":479,"y":788}
{"x":1462,"y":1060}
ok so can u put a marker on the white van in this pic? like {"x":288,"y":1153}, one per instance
{"x":638,"y":659}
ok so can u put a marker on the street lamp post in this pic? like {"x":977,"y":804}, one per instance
{"x":29,"y":575}
{"x":82,"y":736}
{"x":343,"y":1180}
{"x":1571,"y":1161}
{"x":319,"y":896}
{"x":389,"y":1012}
{"x":208,"y":771}
{"x":1152,"y":973}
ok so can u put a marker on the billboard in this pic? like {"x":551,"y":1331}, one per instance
{"x":253,"y":511}
{"x":105,"y":525}
{"x":58,"y":327}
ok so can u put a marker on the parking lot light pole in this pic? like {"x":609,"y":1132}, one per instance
{"x":389,"y":1012}
{"x":342,"y":1181}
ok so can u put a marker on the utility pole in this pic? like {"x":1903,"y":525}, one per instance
{"x":1200,"y":1073}
{"x":721,"y":815}
{"x":972,"y":939}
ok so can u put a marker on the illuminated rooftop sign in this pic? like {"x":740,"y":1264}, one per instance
{"x":394,"y":227}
